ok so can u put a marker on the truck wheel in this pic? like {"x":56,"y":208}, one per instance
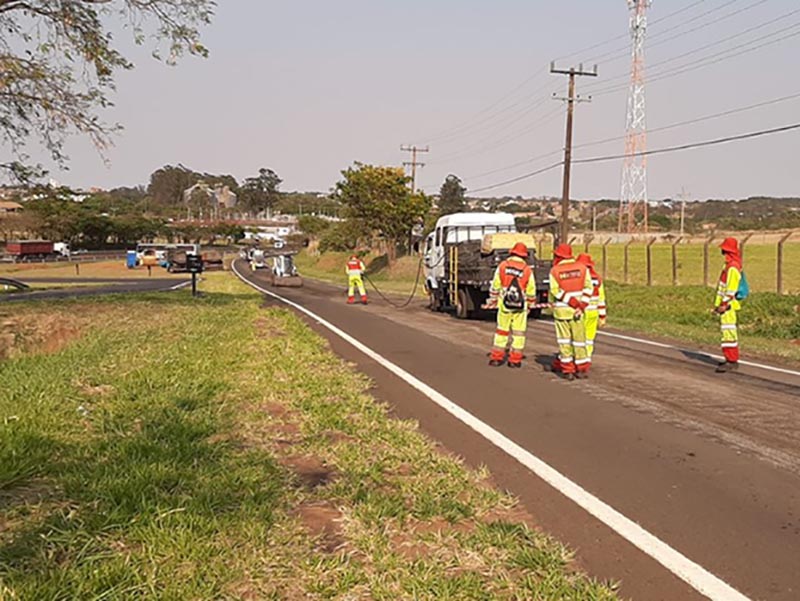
{"x":462,"y":305}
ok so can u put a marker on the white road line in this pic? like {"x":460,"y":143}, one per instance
{"x":181,"y":285}
{"x":690,"y":572}
{"x":704,"y":354}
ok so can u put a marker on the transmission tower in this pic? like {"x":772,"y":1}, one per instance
{"x":633,"y":199}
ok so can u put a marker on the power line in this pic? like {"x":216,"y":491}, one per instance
{"x":600,"y":142}
{"x":517,"y":179}
{"x":707,"y":61}
{"x":716,"y":43}
{"x":670,"y":149}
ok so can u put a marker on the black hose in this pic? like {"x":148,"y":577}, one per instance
{"x":409,"y":299}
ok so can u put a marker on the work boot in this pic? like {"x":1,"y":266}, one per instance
{"x":495,"y":362}
{"x":350,"y":300}
{"x":727,"y":366}
{"x":569,"y":377}
{"x":516,"y":364}
{"x":582,"y":375}
{"x":363,"y":300}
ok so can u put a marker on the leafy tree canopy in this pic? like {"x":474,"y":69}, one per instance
{"x":58,"y":61}
{"x":379,"y":198}
{"x":260,"y":193}
{"x":451,"y":196}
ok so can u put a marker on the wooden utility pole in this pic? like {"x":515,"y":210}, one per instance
{"x":413,"y":163}
{"x":571,"y":99}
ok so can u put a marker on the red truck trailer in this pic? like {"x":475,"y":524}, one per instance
{"x":26,"y":250}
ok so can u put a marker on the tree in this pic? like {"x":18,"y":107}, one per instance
{"x":260,"y":193}
{"x":58,"y":61}
{"x":168,"y":184}
{"x":379,"y":198}
{"x":451,"y":196}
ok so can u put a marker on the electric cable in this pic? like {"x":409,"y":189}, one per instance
{"x":409,"y":300}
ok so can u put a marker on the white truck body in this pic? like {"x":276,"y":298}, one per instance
{"x":459,"y":227}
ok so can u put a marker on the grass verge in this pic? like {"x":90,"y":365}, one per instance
{"x":172,"y":448}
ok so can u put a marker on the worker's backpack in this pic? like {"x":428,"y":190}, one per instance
{"x":744,"y":288}
{"x":513,"y":296}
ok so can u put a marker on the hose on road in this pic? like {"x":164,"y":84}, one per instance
{"x":409,"y":300}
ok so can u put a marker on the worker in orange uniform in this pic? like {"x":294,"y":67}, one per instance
{"x":595,"y":314}
{"x":512,"y":293}
{"x":731,"y":290}
{"x":570,"y":292}
{"x":355,"y":272}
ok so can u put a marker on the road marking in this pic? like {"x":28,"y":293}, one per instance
{"x":684,"y":568}
{"x":181,"y":285}
{"x":701,"y":353}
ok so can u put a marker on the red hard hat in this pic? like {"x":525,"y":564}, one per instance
{"x":563,"y":251}
{"x":585,"y":259}
{"x":519,"y":250}
{"x":730,"y":245}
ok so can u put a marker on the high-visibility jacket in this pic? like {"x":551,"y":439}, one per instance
{"x":597,"y":302}
{"x":355,"y":267}
{"x":728,"y":286}
{"x":570,"y":288}
{"x":513,"y":267}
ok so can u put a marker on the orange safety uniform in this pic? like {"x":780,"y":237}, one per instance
{"x":355,"y":270}
{"x":571,"y":292}
{"x":511,"y":322}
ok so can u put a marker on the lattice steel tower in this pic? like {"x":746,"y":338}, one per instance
{"x":633,"y":199}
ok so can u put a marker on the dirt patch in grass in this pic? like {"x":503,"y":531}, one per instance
{"x":311,"y":472}
{"x":323,"y":522}
{"x":41,"y":334}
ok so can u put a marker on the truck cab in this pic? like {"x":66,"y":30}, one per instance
{"x":462,"y":254}
{"x":456,"y":228}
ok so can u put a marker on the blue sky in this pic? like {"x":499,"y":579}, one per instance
{"x":306,"y":87}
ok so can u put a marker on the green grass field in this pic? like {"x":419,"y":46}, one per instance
{"x":164,"y":447}
{"x":760,"y":263}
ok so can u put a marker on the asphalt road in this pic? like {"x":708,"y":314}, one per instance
{"x":709,"y":464}
{"x":120,"y":286}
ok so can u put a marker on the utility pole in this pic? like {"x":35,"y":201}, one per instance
{"x":684,"y":195}
{"x":571,"y":99}
{"x":413,"y":163}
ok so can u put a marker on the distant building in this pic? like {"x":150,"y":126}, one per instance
{"x":219,"y":197}
{"x":8,"y":207}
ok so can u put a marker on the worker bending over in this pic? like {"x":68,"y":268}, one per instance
{"x":513,"y":292}
{"x":355,"y":271}
{"x":570,"y":292}
{"x":595,"y":314}
{"x":731,"y":290}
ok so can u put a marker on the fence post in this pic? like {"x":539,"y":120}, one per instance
{"x":605,"y":257}
{"x":650,"y":261}
{"x":675,"y":261}
{"x":705,"y":259}
{"x":781,"y":242}
{"x":587,"y":240}
{"x":742,"y":245}
{"x":625,"y":253}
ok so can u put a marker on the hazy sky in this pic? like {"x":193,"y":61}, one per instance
{"x":306,"y":87}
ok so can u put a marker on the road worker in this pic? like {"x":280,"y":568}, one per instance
{"x":730,"y":292}
{"x":595,"y":314}
{"x":355,"y":271}
{"x":512,"y":293}
{"x":570,"y":292}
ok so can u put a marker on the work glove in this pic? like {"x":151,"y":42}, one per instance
{"x":578,"y":313}
{"x":602,"y":322}
{"x":490,"y":304}
{"x":723,"y":308}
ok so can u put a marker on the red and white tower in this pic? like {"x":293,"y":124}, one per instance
{"x":633,"y":199}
